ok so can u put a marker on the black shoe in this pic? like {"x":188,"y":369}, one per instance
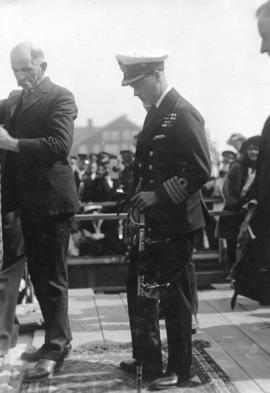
{"x":33,"y":354}
{"x":129,"y":366}
{"x":169,"y":379}
{"x":43,"y":369}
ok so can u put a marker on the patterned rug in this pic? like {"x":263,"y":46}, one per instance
{"x":95,"y":369}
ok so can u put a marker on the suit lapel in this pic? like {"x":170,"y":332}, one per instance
{"x":14,"y":101}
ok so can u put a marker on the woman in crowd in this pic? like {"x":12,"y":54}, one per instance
{"x":237,"y":182}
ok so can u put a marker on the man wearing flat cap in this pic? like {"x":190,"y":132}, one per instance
{"x":172,"y":164}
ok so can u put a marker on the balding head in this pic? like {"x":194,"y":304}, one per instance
{"x":263,"y":15}
{"x":27,"y":48}
{"x":263,"y":10}
{"x":27,"y":61}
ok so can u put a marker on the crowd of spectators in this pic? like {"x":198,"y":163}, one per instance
{"x":100,"y":176}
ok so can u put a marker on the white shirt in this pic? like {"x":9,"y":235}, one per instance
{"x":161,"y":98}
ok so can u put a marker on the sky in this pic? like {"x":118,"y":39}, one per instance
{"x":215,"y":60}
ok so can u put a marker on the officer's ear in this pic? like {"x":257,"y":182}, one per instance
{"x":157,"y":76}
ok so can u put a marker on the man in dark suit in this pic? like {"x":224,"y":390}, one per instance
{"x":257,"y":221}
{"x":37,"y":180}
{"x":172,"y":164}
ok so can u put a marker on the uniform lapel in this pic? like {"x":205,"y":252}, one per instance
{"x":169,"y":101}
{"x":151,"y":125}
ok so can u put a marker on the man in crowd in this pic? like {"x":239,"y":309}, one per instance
{"x":172,"y":164}
{"x":258,"y":217}
{"x":37,"y":180}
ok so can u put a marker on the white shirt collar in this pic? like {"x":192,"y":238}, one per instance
{"x":160,"y":99}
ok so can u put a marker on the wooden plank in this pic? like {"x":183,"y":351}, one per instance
{"x":12,"y":373}
{"x":237,"y":375}
{"x":243,"y":350}
{"x":123,"y":297}
{"x":97,"y":260}
{"x":83,"y":317}
{"x":253,"y":322}
{"x":113,"y":318}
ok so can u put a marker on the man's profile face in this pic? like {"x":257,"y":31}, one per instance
{"x":146,"y":90}
{"x":264,"y":31}
{"x":27,"y":71}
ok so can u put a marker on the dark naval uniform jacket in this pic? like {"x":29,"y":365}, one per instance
{"x":172,"y":159}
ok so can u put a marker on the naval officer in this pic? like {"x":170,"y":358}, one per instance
{"x":172,"y":164}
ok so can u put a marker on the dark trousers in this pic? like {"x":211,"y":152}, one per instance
{"x":162,"y":263}
{"x":46,"y":243}
{"x":231,"y":252}
{"x":10,"y":275}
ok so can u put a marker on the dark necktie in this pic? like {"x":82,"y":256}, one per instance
{"x":25,"y":96}
{"x":150,"y":115}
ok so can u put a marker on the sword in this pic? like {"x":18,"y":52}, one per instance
{"x":140,"y":294}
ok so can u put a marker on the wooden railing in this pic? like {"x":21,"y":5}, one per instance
{"x":123,"y":216}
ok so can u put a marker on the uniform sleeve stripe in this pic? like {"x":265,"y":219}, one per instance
{"x":170,"y":192}
{"x":180,"y":188}
{"x":175,"y":190}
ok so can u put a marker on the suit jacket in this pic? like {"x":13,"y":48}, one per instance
{"x":39,"y":179}
{"x":171,"y":150}
{"x":260,"y":188}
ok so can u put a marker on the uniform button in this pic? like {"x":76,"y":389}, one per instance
{"x":150,"y":167}
{"x":151,"y":153}
{"x":139,"y":165}
{"x":151,"y":181}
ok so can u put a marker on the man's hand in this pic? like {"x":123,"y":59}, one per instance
{"x":7,"y":142}
{"x":144,"y":199}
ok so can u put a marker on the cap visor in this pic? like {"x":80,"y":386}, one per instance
{"x":126,"y":82}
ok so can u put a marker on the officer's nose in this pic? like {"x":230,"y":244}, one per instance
{"x":265,"y":47}
{"x":135,"y":93}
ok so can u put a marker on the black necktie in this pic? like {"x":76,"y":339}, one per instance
{"x":150,"y":115}
{"x":26,"y":94}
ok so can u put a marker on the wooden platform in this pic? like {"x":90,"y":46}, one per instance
{"x":107,"y":273}
{"x":240,"y":339}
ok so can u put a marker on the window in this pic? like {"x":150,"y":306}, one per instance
{"x":126,"y":135}
{"x":115,"y":135}
{"x":125,"y":146}
{"x":96,"y":148}
{"x":112,"y":148}
{"x":106,"y":135}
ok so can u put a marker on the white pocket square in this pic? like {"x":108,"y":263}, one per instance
{"x":161,"y":136}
